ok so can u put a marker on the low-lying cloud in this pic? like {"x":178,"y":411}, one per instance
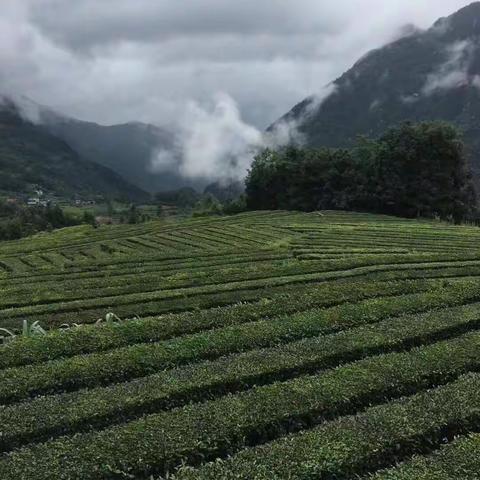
{"x":214,"y":142}
{"x":454,"y":72}
{"x":217,"y":143}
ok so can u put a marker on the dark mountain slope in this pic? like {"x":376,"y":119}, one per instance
{"x":127,"y":149}
{"x":30,"y":155}
{"x":427,"y":75}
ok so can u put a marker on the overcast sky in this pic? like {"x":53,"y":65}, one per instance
{"x":113,"y":61}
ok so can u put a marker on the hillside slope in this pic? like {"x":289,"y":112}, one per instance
{"x":427,"y":75}
{"x":127,"y":148}
{"x":30,"y":155}
{"x":266,"y":346}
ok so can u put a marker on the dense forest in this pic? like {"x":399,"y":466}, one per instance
{"x":412,"y":170}
{"x":17,"y":221}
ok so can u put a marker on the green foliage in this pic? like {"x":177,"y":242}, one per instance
{"x":207,"y":205}
{"x":89,"y":218}
{"x":17,"y":221}
{"x":133,"y":215}
{"x":29,"y":330}
{"x":233,"y":340}
{"x":343,"y":448}
{"x":32,"y":329}
{"x":235,"y":206}
{"x":97,"y":338}
{"x":455,"y":461}
{"x":183,"y":197}
{"x":6,"y":336}
{"x":231,"y":374}
{"x":411,"y":171}
{"x":123,"y":363}
{"x":223,"y":426}
{"x":172,"y":297}
{"x":110,"y":319}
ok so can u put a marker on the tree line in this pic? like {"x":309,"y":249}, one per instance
{"x":412,"y":170}
{"x":17,"y":221}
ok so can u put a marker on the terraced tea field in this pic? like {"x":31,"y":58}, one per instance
{"x":266,"y":345}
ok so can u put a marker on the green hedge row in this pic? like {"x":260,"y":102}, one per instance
{"x":435,"y":272}
{"x":138,"y":263}
{"x":237,"y":235}
{"x":48,"y":292}
{"x":55,"y":415}
{"x":180,"y":293}
{"x":160,"y":442}
{"x":115,"y":276}
{"x":144,"y":359}
{"x":131,"y":281}
{"x":347,"y":263}
{"x":395,"y":239}
{"x":188,"y":304}
{"x":91,"y":338}
{"x":223,"y":239}
{"x":352,"y":446}
{"x":413,"y":248}
{"x":128,"y":299}
{"x":84,"y":235}
{"x":399,"y":238}
{"x":459,"y":460}
{"x":430,"y":239}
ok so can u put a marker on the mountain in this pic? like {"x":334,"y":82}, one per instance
{"x":429,"y":74}
{"x":128,"y":149}
{"x":32,"y":156}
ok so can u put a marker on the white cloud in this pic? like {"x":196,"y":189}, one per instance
{"x":454,"y":72}
{"x":118,"y":60}
{"x":217,"y":143}
{"x":214,"y":142}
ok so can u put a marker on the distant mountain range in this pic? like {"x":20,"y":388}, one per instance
{"x":127,"y":149}
{"x":426,"y":75}
{"x":429,"y":74}
{"x":31,"y":156}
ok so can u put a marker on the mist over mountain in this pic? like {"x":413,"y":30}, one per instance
{"x":131,"y":150}
{"x":128,"y":149}
{"x":31,"y":156}
{"x":429,"y":74}
{"x":208,"y":145}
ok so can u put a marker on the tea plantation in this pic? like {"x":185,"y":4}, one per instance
{"x":267,"y":345}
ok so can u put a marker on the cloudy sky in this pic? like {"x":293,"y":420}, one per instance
{"x":113,"y":61}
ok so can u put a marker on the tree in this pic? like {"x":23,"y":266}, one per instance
{"x":89,"y":218}
{"x":133,"y":214}
{"x":412,"y":170}
{"x":208,"y":205}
